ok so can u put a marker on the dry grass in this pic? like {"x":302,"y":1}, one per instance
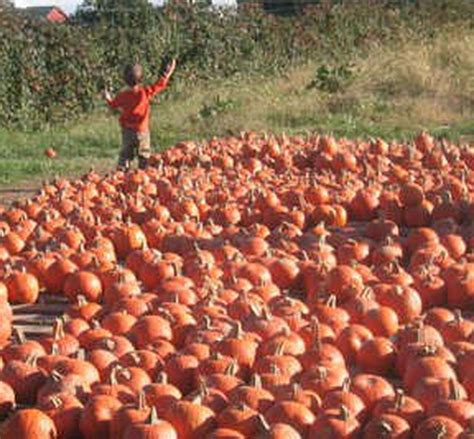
{"x":423,"y":84}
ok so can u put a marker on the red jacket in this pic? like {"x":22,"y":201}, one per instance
{"x":134,"y":104}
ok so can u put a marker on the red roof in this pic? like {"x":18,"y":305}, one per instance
{"x":56,"y":15}
{"x":53,"y":14}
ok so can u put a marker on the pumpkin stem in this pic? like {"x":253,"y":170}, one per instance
{"x":295,"y":390}
{"x":280,"y":348}
{"x":216,"y":355}
{"x":266,"y":314}
{"x":162,"y":378}
{"x":203,"y":388}
{"x":237,"y":330}
{"x":274,"y":369}
{"x":231,"y":369}
{"x":399,"y":399}
{"x":19,"y":335}
{"x":113,"y":376}
{"x":81,"y":300}
{"x":385,"y":427}
{"x":58,"y":329}
{"x":56,"y":375}
{"x":109,"y":344}
{"x":124,"y":372}
{"x":454,"y":390}
{"x":254,"y":309}
{"x":81,"y":354}
{"x":346,"y":385}
{"x":153,"y":418}
{"x":135,"y":358}
{"x":56,"y":401}
{"x":255,"y":381}
{"x":32,"y":359}
{"x":142,"y":404}
{"x":316,"y":345}
{"x":458,"y":316}
{"x":331,"y":301}
{"x":54,"y":348}
{"x":207,"y":322}
{"x":439,"y":431}
{"x":263,"y":424}
{"x":321,"y":372}
{"x":344,"y":413}
{"x":420,"y":334}
{"x":95,"y":324}
{"x":197,"y":399}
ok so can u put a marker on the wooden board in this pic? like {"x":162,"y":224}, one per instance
{"x":37,"y":319}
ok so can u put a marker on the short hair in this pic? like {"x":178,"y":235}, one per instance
{"x":132,"y":74}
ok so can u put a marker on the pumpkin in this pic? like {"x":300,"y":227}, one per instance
{"x":338,"y":423}
{"x":240,"y":418}
{"x":7,"y":399}
{"x":130,"y":415}
{"x":22,"y":287}
{"x":21,"y":349}
{"x":371,"y":388}
{"x":250,"y":286}
{"x":160,"y":394}
{"x":389,"y":426}
{"x":377,"y":355}
{"x":97,"y":415}
{"x":151,"y":428}
{"x":436,"y":426}
{"x":354,"y":404}
{"x":292,"y":413}
{"x":402,"y":406}
{"x":26,"y":378}
{"x":65,"y":411}
{"x":190,"y":419}
{"x":29,"y":423}
{"x":83,"y":283}
{"x":350,"y":341}
{"x":57,"y":383}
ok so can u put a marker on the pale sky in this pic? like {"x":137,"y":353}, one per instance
{"x":67,"y":5}
{"x":71,"y":5}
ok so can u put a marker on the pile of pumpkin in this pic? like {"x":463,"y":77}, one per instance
{"x":253,"y":286}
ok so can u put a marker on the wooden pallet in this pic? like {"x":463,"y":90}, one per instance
{"x":38,"y":319}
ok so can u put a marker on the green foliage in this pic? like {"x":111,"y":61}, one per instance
{"x":216,"y":107}
{"x":53,"y":73}
{"x":332,"y":79}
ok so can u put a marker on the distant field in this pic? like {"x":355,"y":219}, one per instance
{"x":394,"y":92}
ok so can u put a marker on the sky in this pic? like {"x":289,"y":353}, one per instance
{"x":67,"y":5}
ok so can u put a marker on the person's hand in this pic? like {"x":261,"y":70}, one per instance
{"x":170,"y":69}
{"x":106,"y":94}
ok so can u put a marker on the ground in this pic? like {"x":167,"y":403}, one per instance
{"x":393,"y":92}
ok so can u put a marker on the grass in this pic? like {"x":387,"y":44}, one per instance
{"x":393,"y":92}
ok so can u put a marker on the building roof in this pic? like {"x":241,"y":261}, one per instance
{"x":46,"y":12}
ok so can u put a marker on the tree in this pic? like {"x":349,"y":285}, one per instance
{"x":115,"y":12}
{"x":283,"y":7}
{"x":287,"y":7}
{"x":6,"y":4}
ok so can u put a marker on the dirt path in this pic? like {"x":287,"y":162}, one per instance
{"x":27,"y":189}
{"x":9,"y":194}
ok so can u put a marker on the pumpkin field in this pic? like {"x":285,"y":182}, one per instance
{"x":250,"y":286}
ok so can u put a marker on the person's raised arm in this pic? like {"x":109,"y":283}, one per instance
{"x":111,"y":102}
{"x":161,"y":84}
